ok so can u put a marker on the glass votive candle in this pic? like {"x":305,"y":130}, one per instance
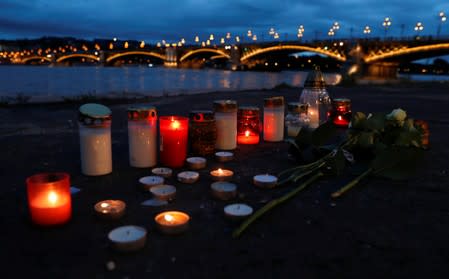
{"x":202,"y":132}
{"x":296,"y":118}
{"x":226,"y":122}
{"x":142,"y":136}
{"x":95,"y":139}
{"x":273,"y":119}
{"x":49,"y":198}
{"x":173,"y":140}
{"x":248,"y":125}
{"x":341,"y":112}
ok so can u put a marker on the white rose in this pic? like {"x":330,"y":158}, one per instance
{"x":398,"y":115}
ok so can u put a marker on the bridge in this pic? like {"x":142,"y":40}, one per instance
{"x":362,"y":57}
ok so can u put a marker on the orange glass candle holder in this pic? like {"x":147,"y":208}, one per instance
{"x":341,"y":113}
{"x":49,"y":198}
{"x":248,"y":125}
{"x":173,"y":140}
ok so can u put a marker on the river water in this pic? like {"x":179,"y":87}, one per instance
{"x":57,"y":82}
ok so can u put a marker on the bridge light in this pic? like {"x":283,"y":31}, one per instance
{"x":183,"y":41}
{"x":228,"y":35}
{"x":115,"y":39}
{"x":208,"y":42}
{"x":96,"y":53}
{"x":341,"y":43}
{"x":158,"y":44}
{"x":197,"y":39}
{"x":276,"y":35}
{"x":254,"y":37}
{"x":142,"y":44}
{"x":442,"y":16}
{"x":222,"y":40}
{"x":211,"y":37}
{"x":237,"y":39}
{"x":250,"y":33}
{"x":271,"y":32}
{"x":203,"y":44}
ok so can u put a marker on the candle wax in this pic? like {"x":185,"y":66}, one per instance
{"x":50,"y":208}
{"x":248,"y":138}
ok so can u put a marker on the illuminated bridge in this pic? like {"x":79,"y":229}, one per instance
{"x":365,"y":57}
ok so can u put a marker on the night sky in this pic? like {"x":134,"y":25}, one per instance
{"x":154,"y":20}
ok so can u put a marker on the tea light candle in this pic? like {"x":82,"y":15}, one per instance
{"x":265,"y":180}
{"x":224,"y":156}
{"x":150,"y":181}
{"x":172,"y":222}
{"x":49,"y":198}
{"x":173,"y":140}
{"x":128,"y":238}
{"x":188,"y":177}
{"x":196,"y":163}
{"x":164,"y":192}
{"x":110,"y":209}
{"x":223,"y":190}
{"x":222,"y":174}
{"x":164,"y":172}
{"x":237,"y":211}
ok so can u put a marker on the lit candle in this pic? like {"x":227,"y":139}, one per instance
{"x":164,"y":172}
{"x":341,"y":113}
{"x":164,"y":192}
{"x":150,"y":181}
{"x":173,"y":140}
{"x":237,"y":211}
{"x":265,"y":180}
{"x":128,"y":238}
{"x":223,"y":190}
{"x":196,"y":163}
{"x":188,"y":177}
{"x":224,"y":156}
{"x":273,"y":119}
{"x":314,"y":120}
{"x":49,"y":198}
{"x":110,"y":209}
{"x":221,"y":174}
{"x":172,"y":222}
{"x":248,"y":125}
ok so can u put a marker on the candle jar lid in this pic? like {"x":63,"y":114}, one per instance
{"x":248,"y":111}
{"x":315,"y":79}
{"x":273,"y":102}
{"x":201,"y":115}
{"x":225,"y":105}
{"x":296,"y":107}
{"x":94,"y":114}
{"x":141,"y":112}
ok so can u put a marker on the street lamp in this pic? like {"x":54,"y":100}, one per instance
{"x":418,"y":28}
{"x":442,"y":18}
{"x":386,"y":24}
{"x":367,"y":30}
{"x":331,"y":32}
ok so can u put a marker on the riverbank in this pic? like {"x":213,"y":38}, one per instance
{"x":379,"y":229}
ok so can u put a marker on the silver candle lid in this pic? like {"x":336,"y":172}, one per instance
{"x":94,"y":114}
{"x":315,"y":79}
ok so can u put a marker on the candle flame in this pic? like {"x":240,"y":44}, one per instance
{"x":175,"y":124}
{"x":104,"y":204}
{"x":339,"y":117}
{"x":168,"y":217}
{"x":52,"y":197}
{"x":246,"y":133}
{"x":220,"y":171}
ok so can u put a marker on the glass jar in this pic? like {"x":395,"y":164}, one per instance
{"x":248,"y":125}
{"x":226,"y":121}
{"x":341,"y":113}
{"x":173,"y":137}
{"x":315,"y":96}
{"x":296,"y":118}
{"x":142,"y":136}
{"x":94,"y":121}
{"x":273,"y":119}
{"x":202,"y":132}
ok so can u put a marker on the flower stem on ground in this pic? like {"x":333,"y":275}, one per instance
{"x":237,"y":232}
{"x":351,"y":184}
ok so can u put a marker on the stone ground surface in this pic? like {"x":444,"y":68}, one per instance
{"x":380,"y":229}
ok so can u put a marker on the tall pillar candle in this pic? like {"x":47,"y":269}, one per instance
{"x":142,"y":136}
{"x":95,"y":139}
{"x":173,"y":140}
{"x":226,"y":121}
{"x":273,"y":119}
{"x":49,"y":199}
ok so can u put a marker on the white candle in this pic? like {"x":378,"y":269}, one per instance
{"x":150,"y":181}
{"x":128,"y":238}
{"x":188,"y":177}
{"x":164,"y":192}
{"x":223,"y":190}
{"x":238,"y":211}
{"x":110,"y":209}
{"x":273,"y":119}
{"x":142,"y":131}
{"x":224,"y":156}
{"x":164,"y":172}
{"x":312,"y":111}
{"x":265,"y":180}
{"x":226,"y":122}
{"x":196,"y":163}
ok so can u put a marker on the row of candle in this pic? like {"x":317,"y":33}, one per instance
{"x":222,"y":129}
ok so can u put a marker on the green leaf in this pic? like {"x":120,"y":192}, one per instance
{"x":324,"y":133}
{"x":376,"y":122}
{"x":396,"y":162}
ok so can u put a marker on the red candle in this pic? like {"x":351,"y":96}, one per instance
{"x":173,"y":140}
{"x":340,"y":120}
{"x":341,"y":112}
{"x":49,"y":198}
{"x":248,"y":138}
{"x":248,"y":125}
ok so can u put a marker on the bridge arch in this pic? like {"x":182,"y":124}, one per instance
{"x":406,"y":51}
{"x":211,"y":50}
{"x":35,"y":57}
{"x":90,"y":56}
{"x":292,"y":48}
{"x":145,"y":53}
